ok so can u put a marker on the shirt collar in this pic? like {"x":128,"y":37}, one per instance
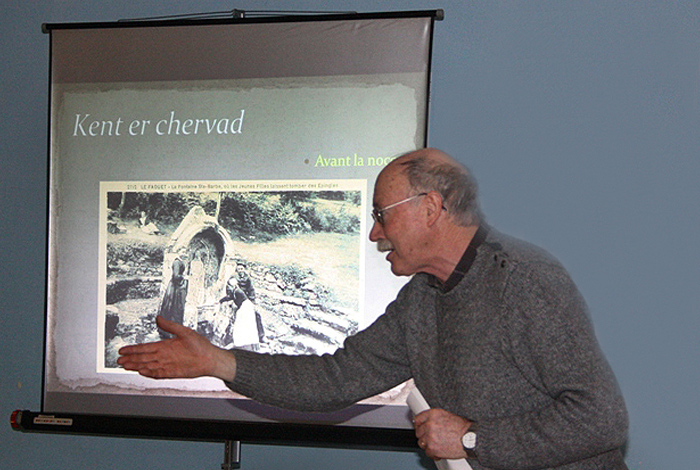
{"x":465,"y":261}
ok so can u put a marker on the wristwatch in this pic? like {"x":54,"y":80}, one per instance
{"x":469,"y":441}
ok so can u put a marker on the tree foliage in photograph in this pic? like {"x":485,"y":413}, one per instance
{"x":263,"y":215}
{"x":272,"y":214}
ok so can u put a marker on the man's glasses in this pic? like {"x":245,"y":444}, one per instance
{"x":378,"y":214}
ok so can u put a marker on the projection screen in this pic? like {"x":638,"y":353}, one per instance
{"x":192,"y":156}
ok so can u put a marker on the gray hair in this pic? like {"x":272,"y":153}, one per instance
{"x":452,"y":181}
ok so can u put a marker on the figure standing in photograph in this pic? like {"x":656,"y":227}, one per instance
{"x":172,"y":307}
{"x":492,"y":329}
{"x":244,"y":281}
{"x":244,"y":329}
{"x":246,"y":284}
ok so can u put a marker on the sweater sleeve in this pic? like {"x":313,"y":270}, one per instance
{"x":370,"y":362}
{"x":548,"y":335}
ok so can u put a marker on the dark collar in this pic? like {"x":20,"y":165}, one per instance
{"x":467,"y":259}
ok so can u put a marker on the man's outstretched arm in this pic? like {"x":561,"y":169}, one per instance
{"x":186,"y":355}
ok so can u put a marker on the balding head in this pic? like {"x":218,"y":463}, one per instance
{"x":430,"y":169}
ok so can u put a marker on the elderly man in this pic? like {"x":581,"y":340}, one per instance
{"x":493,"y":331}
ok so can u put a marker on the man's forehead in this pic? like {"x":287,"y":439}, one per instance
{"x":390,"y":183}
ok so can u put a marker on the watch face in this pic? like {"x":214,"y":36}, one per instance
{"x":469,"y":440}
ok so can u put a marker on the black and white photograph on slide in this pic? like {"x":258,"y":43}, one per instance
{"x":239,"y":267}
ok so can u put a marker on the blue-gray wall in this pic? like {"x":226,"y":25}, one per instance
{"x":581,"y":120}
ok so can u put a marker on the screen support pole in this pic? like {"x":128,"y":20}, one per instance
{"x":232,"y":455}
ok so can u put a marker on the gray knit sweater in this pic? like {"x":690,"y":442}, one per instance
{"x":510,"y":347}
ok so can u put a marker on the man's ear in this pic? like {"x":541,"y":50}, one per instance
{"x":434,"y":205}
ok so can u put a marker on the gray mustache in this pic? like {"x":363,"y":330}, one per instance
{"x":384,"y":245}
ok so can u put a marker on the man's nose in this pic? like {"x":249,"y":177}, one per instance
{"x":377,"y":232}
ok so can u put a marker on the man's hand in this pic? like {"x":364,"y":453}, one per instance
{"x":186,"y":355}
{"x":440,"y":432}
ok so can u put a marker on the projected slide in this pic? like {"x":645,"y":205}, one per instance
{"x":221,"y":176}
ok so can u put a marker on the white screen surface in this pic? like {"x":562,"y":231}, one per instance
{"x":196,"y":129}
